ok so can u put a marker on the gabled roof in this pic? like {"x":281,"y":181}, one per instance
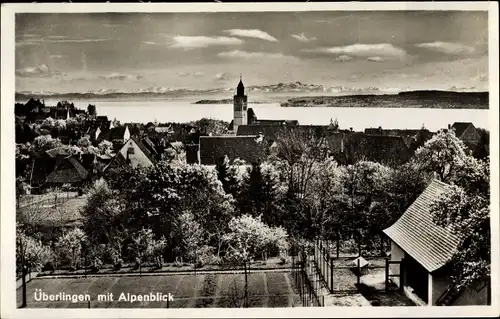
{"x":377,"y":148}
{"x":415,"y":232}
{"x":68,"y":171}
{"x":460,"y":127}
{"x":213,"y":149}
{"x":119,"y":159}
{"x":143,"y":148}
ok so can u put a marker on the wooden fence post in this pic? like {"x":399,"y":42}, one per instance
{"x":359,"y":274}
{"x":402,"y":274}
{"x":331,"y":276}
{"x":387,"y":275}
{"x":338,"y":246}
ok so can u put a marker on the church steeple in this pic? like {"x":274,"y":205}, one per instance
{"x":240,"y":106}
{"x":240,"y":91}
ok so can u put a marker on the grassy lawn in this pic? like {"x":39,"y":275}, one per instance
{"x":271,"y":289}
{"x":50,"y":213}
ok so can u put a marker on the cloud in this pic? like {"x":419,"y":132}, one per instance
{"x":254,"y":55}
{"x":364,"y":50}
{"x":252,"y":33}
{"x":149,"y":42}
{"x":111,"y":25}
{"x":344,"y":58}
{"x":191,"y":42}
{"x":57,"y":39}
{"x":190,"y":74}
{"x":302,"y":38}
{"x":63,"y":39}
{"x":24,"y":43}
{"x":57,"y":56}
{"x":375,"y":59}
{"x":222,"y":76}
{"x":120,"y":77}
{"x":39,"y":71}
{"x":447,"y":47}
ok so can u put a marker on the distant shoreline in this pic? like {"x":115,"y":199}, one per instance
{"x":226,"y":101}
{"x":409,"y":99}
{"x":412,"y":99}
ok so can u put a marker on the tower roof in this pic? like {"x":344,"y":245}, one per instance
{"x":240,"y":91}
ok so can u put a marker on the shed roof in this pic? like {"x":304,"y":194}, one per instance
{"x":415,"y":232}
{"x":68,"y":171}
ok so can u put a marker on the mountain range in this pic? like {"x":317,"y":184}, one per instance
{"x":293,"y":87}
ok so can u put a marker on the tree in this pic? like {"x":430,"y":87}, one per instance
{"x":91,"y":110}
{"x":327,"y":186}
{"x":247,"y":237}
{"x":364,"y":185}
{"x":85,"y":145}
{"x":20,"y":188}
{"x":105,"y":147}
{"x":440,"y":155}
{"x":188,"y":236}
{"x":299,"y":150}
{"x":229,"y":176}
{"x":145,"y":247}
{"x":209,"y":126}
{"x":468,"y":216}
{"x":31,"y":254}
{"x":160,"y":193}
{"x":69,"y":247}
{"x":44,"y":143}
{"x":104,"y":217}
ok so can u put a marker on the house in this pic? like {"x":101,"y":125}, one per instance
{"x":213,"y":149}
{"x":412,"y":137}
{"x":467,"y":133}
{"x":388,"y":150}
{"x":425,"y":250}
{"x":67,"y":171}
{"x":133,"y":153}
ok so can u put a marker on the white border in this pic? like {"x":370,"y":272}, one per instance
{"x":7,"y":162}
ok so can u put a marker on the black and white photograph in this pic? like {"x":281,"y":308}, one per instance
{"x":251,"y":159}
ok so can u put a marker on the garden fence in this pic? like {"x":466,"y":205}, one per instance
{"x":343,"y":274}
{"x":307,"y":287}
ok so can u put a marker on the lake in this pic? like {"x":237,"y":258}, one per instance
{"x":182,"y":110}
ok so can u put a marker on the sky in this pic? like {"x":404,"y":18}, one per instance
{"x":80,"y":52}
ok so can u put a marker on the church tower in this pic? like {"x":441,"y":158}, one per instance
{"x":240,"y":106}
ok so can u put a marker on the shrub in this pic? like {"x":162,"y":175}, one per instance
{"x":118,"y":264}
{"x":284,"y":259}
{"x":49,"y":266}
{"x":96,"y":265}
{"x":204,"y":256}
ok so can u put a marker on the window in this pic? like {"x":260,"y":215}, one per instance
{"x":130,"y":150}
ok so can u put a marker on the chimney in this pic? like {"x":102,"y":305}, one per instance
{"x":449,"y":126}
